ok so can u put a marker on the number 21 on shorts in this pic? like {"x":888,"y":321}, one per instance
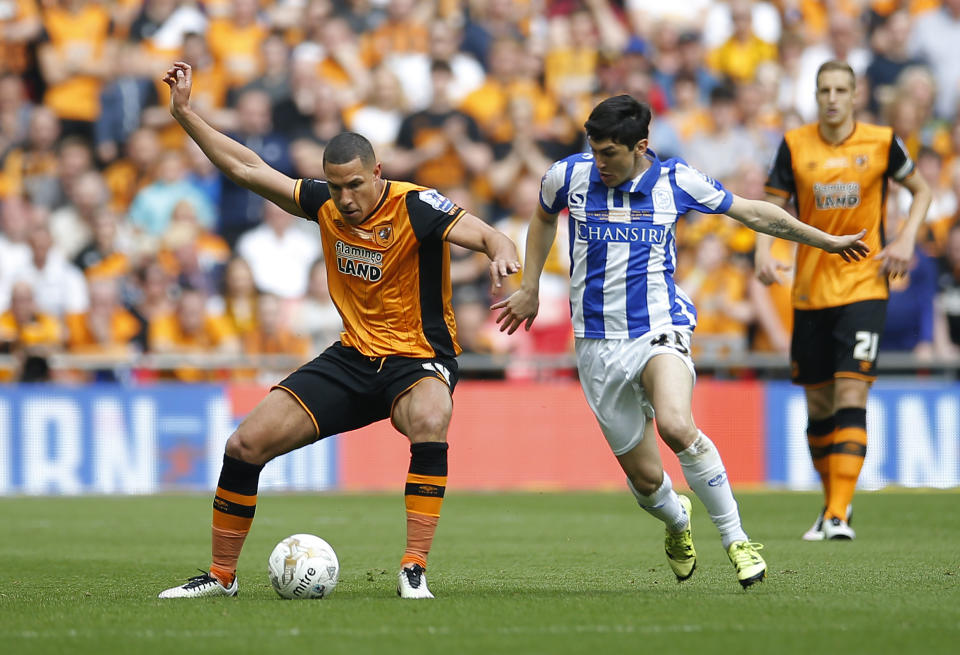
{"x":865,"y":349}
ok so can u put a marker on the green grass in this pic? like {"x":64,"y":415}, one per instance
{"x":519,"y":573}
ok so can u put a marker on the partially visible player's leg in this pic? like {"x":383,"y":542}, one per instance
{"x":422,"y":413}
{"x":821,"y":427}
{"x":847,"y":454}
{"x":653,"y":489}
{"x":668,"y":379}
{"x":276,"y":426}
{"x":669,"y":384}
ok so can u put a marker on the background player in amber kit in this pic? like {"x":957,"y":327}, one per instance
{"x":837,"y":170}
{"x":385,"y":245}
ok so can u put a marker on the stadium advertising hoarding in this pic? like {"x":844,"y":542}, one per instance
{"x":505,"y":435}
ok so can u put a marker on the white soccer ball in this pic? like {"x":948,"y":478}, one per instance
{"x":303,"y":566}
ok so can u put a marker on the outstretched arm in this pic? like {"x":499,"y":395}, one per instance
{"x":769,"y":219}
{"x":237,"y":162}
{"x":471,"y":232}
{"x":522,"y":306}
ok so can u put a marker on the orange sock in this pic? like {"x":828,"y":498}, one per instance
{"x":847,"y":453}
{"x":233,"y":508}
{"x":820,"y":434}
{"x":423,"y":497}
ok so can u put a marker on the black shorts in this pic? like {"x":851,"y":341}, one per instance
{"x":343,"y":389}
{"x":836,"y":342}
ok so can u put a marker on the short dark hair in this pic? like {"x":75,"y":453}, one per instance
{"x":347,"y":146}
{"x":837,"y":65}
{"x":621,"y":119}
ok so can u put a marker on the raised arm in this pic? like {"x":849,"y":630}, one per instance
{"x":767,"y":218}
{"x":522,"y":306}
{"x":471,"y":232}
{"x":237,"y":162}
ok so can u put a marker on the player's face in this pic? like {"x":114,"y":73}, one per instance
{"x":835,"y":97}
{"x":354,"y":188}
{"x":616,"y":162}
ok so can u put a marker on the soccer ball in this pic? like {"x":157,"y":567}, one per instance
{"x":303,"y":566}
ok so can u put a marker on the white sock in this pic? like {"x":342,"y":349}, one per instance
{"x":707,"y":477}
{"x":663,"y":504}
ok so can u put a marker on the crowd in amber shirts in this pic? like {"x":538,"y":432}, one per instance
{"x":473,"y":97}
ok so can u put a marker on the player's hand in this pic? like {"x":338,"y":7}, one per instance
{"x":500,"y":269}
{"x":850,"y":246}
{"x":179,"y":78}
{"x":521,"y":307}
{"x":770,"y":270}
{"x":896,"y":258}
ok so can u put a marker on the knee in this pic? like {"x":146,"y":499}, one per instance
{"x":646,"y":479}
{"x":244,"y":445}
{"x":428,"y":426}
{"x":676,"y":429}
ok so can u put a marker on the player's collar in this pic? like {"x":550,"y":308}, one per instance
{"x":642,"y":183}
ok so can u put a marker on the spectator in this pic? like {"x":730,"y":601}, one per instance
{"x":727,"y":146}
{"x":30,"y":168}
{"x":15,"y":111}
{"x":152,"y":208}
{"x":72,"y":224}
{"x":154,"y":293}
{"x":844,"y":43}
{"x":741,"y":54}
{"x":241,"y":209}
{"x":106,"y":329}
{"x":910,"y":313}
{"x":943,"y":205}
{"x":690,"y":64}
{"x":772,"y":305}
{"x":192,"y":331}
{"x":272,"y":336}
{"x":126,"y":176}
{"x":239,"y":297}
{"x":59,"y":287}
{"x":316,"y":317}
{"x":936,"y":38}
{"x":235,"y":41}
{"x":76,"y":56}
{"x":194,"y":256}
{"x":439,"y":146}
{"x":380,"y":117}
{"x":124,"y":99}
{"x":947,"y":306}
{"x":403,"y":32}
{"x":20,"y":26}
{"x":105,"y":254}
{"x":14,"y":251}
{"x":280,"y":252}
{"x":413,"y":69}
{"x":30,"y":335}
{"x":274,"y":80}
{"x":891,"y":57}
{"x":717,"y":286}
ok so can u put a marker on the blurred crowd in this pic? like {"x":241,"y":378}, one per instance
{"x":118,"y":236}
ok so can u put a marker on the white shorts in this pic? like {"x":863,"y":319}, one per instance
{"x":610,"y":371}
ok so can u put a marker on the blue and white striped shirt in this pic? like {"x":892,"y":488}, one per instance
{"x":623,"y":243}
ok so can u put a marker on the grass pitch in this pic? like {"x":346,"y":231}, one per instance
{"x":519,"y":573}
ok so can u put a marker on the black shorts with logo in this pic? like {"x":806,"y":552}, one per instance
{"x":836,"y":342}
{"x":343,"y":389}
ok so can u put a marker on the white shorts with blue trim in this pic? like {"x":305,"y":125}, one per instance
{"x":610,"y":372}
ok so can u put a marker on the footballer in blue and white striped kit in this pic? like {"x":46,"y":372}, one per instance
{"x":634,"y":324}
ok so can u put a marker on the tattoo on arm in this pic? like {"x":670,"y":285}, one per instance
{"x":780,"y":227}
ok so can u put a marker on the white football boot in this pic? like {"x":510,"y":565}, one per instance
{"x":199,"y":586}
{"x":412,"y":583}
